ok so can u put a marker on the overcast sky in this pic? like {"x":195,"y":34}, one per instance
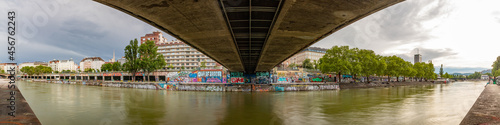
{"x":463,"y":35}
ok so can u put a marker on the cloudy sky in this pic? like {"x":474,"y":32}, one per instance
{"x":463,"y":35}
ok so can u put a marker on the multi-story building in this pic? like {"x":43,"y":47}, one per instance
{"x":156,"y":36}
{"x":8,"y":66}
{"x":312,"y":53}
{"x":417,"y":58}
{"x":122,"y":60}
{"x":60,"y":65}
{"x":177,"y":54}
{"x":53,"y":64}
{"x":91,"y":63}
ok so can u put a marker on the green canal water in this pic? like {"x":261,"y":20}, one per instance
{"x":63,"y":104}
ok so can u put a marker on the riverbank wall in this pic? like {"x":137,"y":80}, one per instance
{"x":224,"y":87}
{"x":385,"y":84}
{"x":13,"y":104}
{"x":485,"y":110}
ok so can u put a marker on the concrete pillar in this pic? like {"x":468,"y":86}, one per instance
{"x":121,"y":78}
{"x":103,"y":78}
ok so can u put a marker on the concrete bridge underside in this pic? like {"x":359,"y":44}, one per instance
{"x":249,"y":35}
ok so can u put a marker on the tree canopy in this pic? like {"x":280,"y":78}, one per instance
{"x":116,"y":66}
{"x":353,"y":61}
{"x":30,"y":70}
{"x":150,"y":59}
{"x":307,"y":64}
{"x":132,"y":63}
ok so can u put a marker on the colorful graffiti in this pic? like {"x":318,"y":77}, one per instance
{"x":317,"y":79}
{"x":237,"y":80}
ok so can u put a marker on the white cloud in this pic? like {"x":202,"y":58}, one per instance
{"x":460,"y":34}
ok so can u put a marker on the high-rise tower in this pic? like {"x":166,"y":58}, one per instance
{"x":417,"y":58}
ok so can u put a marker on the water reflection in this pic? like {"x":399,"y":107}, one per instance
{"x":77,"y":104}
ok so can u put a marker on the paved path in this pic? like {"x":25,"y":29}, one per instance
{"x":24,"y":114}
{"x":486,"y":109}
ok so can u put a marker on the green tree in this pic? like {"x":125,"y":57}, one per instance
{"x":28,"y":70}
{"x":88,"y":70}
{"x":429,"y":71}
{"x":394,"y":66}
{"x":337,"y":59}
{"x":150,"y":59}
{"x":441,"y":71}
{"x":407,"y":70}
{"x":446,"y":75}
{"x":41,"y":69}
{"x":307,"y":64}
{"x":132,"y":63}
{"x":475,"y":75}
{"x":496,"y":74}
{"x":293,"y":65}
{"x":370,"y":63}
{"x":496,"y":65}
{"x":316,"y":64}
{"x":419,"y":67}
{"x":170,"y":66}
{"x":107,"y":67}
{"x":116,"y":66}
{"x":203,"y":65}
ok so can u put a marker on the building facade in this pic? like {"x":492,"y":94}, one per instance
{"x":60,"y":65}
{"x":417,"y":58}
{"x":122,"y":60}
{"x":91,"y":63}
{"x":178,"y":54}
{"x":8,"y":66}
{"x":156,"y":36}
{"x":312,"y":53}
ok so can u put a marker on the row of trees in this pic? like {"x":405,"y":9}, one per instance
{"x":116,"y":66}
{"x":30,"y":70}
{"x":354,"y":61}
{"x":143,"y":57}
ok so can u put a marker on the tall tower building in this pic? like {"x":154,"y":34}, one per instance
{"x":417,"y":58}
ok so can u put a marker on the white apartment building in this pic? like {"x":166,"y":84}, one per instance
{"x":312,"y":53}
{"x":91,"y":63}
{"x":60,"y":65}
{"x":178,"y":54}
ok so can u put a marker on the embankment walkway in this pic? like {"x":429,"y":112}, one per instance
{"x":23,"y":113}
{"x":486,"y":109}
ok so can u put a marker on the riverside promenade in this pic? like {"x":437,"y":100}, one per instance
{"x":23,"y":113}
{"x":486,"y":109}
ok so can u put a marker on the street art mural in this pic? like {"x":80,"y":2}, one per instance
{"x":237,"y":78}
